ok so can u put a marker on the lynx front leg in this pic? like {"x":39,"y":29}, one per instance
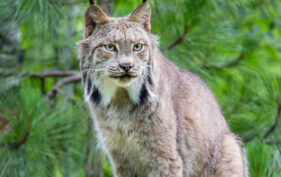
{"x":120,"y":166}
{"x":232,"y":162}
{"x":167,"y":167}
{"x":122,"y":171}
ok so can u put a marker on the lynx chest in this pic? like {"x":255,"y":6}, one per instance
{"x":127,"y":135}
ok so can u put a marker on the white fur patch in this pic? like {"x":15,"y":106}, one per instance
{"x":107,"y":90}
{"x":134,"y":90}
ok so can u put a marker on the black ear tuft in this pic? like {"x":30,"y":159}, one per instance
{"x":91,"y":2}
{"x":144,"y":1}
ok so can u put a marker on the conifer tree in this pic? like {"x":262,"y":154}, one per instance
{"x":45,"y":128}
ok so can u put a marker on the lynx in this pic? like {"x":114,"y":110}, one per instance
{"x":152,"y":118}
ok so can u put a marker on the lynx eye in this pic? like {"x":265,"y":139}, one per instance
{"x":137,"y":47}
{"x":110,"y":47}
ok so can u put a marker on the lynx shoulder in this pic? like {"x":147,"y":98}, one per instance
{"x":152,"y":118}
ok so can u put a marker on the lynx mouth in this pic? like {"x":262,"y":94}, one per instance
{"x":125,"y":77}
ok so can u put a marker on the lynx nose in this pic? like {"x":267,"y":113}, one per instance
{"x":126,"y":66}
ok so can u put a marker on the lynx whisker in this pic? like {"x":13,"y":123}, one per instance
{"x":146,"y":66}
{"x":93,"y":70}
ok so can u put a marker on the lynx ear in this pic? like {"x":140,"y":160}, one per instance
{"x":142,"y":15}
{"x":94,"y":16}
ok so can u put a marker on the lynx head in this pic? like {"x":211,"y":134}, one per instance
{"x":117,"y":53}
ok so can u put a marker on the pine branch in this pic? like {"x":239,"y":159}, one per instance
{"x":273,"y":142}
{"x":181,"y":38}
{"x":71,"y":79}
{"x":228,"y":65}
{"x":18,"y":144}
{"x":272,"y":128}
{"x":21,"y":142}
{"x":44,"y":74}
{"x":233,"y":63}
{"x":276,"y":122}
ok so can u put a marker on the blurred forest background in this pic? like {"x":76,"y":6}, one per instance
{"x":45,"y":129}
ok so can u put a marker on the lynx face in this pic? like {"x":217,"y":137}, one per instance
{"x":116,"y":53}
{"x":122,"y":54}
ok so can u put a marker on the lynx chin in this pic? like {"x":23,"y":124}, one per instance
{"x":152,"y":118}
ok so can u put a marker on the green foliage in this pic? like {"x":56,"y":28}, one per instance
{"x":233,"y":45}
{"x":107,"y":168}
{"x":264,"y":159}
{"x":37,"y":140}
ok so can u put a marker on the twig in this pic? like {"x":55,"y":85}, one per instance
{"x":71,"y":77}
{"x":53,"y":74}
{"x":19,"y":143}
{"x":228,"y":65}
{"x":65,"y":81}
{"x":235,"y":62}
{"x":44,"y":74}
{"x":181,"y":38}
{"x":273,"y":142}
{"x":271,"y":129}
{"x":276,"y":122}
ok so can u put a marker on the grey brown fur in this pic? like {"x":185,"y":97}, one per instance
{"x":154,"y":120}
